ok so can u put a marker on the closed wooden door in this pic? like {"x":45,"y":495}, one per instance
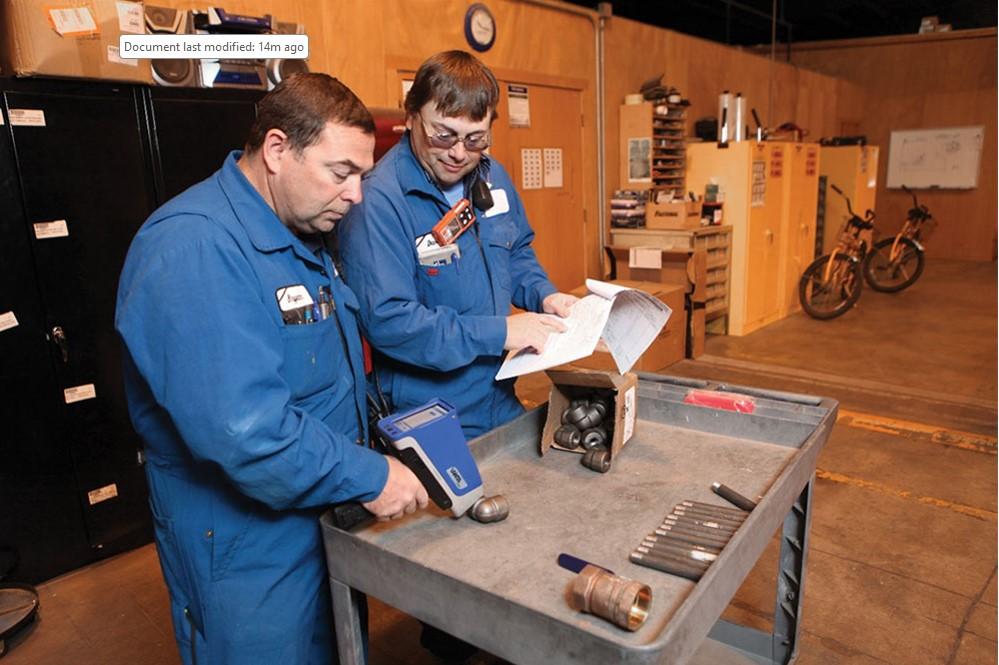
{"x":555,"y":209}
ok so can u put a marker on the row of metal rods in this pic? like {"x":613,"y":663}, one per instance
{"x":689,"y":539}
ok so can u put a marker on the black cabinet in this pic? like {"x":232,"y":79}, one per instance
{"x":75,"y":185}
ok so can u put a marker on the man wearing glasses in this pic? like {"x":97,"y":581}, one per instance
{"x":439,"y":316}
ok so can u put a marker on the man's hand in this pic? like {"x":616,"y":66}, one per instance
{"x":403,"y":493}
{"x":559,"y":304}
{"x":530,"y":331}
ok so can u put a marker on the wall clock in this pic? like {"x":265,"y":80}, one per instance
{"x":480,"y":27}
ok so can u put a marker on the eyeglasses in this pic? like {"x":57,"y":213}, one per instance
{"x":474,"y":142}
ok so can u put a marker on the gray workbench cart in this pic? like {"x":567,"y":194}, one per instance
{"x":498,"y":585}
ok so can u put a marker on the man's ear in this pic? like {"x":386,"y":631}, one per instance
{"x":274,"y":149}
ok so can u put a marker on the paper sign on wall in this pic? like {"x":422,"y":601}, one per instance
{"x":553,"y":167}
{"x":531,"y":166}
{"x":79,"y":393}
{"x":27,"y":117}
{"x":518,"y":105}
{"x":54,"y":229}
{"x":8,"y":321}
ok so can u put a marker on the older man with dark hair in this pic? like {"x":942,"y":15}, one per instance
{"x":245,"y":379}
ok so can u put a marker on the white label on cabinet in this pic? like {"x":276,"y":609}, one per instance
{"x":102,"y":494}
{"x":645,"y":257}
{"x":80,"y":393}
{"x":1,"y":118}
{"x":53,"y":229}
{"x":131,"y":17}
{"x":518,"y":106}
{"x":8,"y":321}
{"x":27,"y":117}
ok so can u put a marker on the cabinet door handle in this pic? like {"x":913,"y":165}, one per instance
{"x":770,"y":236}
{"x":59,"y":337}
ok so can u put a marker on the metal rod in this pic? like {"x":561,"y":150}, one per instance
{"x":672,"y":567}
{"x":673,"y":540}
{"x":724,"y":509}
{"x":713,"y":527}
{"x":733,"y":497}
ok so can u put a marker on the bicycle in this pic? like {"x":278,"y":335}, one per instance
{"x":831,"y":285}
{"x":895,"y":263}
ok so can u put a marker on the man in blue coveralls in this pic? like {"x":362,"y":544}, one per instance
{"x":440,"y":316}
{"x":244,"y":376}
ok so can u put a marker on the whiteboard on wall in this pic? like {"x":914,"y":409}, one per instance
{"x":947,"y":158}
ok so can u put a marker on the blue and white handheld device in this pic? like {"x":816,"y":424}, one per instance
{"x":430,"y":442}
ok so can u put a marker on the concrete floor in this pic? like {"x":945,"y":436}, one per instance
{"x":902,"y":559}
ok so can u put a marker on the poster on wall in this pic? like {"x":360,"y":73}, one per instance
{"x":518,"y":105}
{"x":553,"y":167}
{"x":531,"y":168}
{"x":640,"y":159}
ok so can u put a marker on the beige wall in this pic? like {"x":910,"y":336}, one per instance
{"x":365,"y":42}
{"x":925,"y":81}
{"x":701,"y":70}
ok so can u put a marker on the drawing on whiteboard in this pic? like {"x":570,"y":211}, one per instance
{"x":947,"y":157}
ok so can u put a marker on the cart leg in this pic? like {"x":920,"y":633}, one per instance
{"x":791,"y":578}
{"x":347,"y":619}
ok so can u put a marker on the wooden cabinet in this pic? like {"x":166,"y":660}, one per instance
{"x":798,"y":214}
{"x":854,"y":169}
{"x":713,"y":241}
{"x":750,"y":179}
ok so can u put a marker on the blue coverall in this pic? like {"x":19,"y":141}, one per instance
{"x":251,"y":426}
{"x":440,"y":329}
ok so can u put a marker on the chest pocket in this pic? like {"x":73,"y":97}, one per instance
{"x":502,"y":233}
{"x":313,"y":357}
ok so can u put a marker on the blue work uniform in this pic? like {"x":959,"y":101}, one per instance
{"x":251,"y":426}
{"x":440,"y":328}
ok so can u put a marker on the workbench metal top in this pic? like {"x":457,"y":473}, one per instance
{"x":498,"y":585}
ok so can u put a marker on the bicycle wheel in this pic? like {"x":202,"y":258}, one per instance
{"x":889,"y":276}
{"x":827,"y":299}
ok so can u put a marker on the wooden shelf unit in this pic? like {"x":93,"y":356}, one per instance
{"x":714,"y":241}
{"x":664,"y":126}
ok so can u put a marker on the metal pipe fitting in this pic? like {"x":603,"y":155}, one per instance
{"x":597,"y":459}
{"x":621,"y":601}
{"x":569,"y":437}
{"x":591,"y":419}
{"x":594,"y":438}
{"x":490,"y":509}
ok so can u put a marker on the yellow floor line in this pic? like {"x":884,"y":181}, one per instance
{"x":979,"y":513}
{"x":945,"y":437}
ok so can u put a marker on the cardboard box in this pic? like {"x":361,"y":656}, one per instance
{"x":678,"y":215}
{"x":671,"y":344}
{"x":87,"y":46}
{"x":567,"y":380}
{"x":679,"y":266}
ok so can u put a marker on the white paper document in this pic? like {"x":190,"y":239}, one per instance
{"x":628,"y":320}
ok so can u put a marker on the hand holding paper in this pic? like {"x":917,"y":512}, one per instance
{"x":627,"y":319}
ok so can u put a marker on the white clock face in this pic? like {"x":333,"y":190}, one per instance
{"x":483,"y":27}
